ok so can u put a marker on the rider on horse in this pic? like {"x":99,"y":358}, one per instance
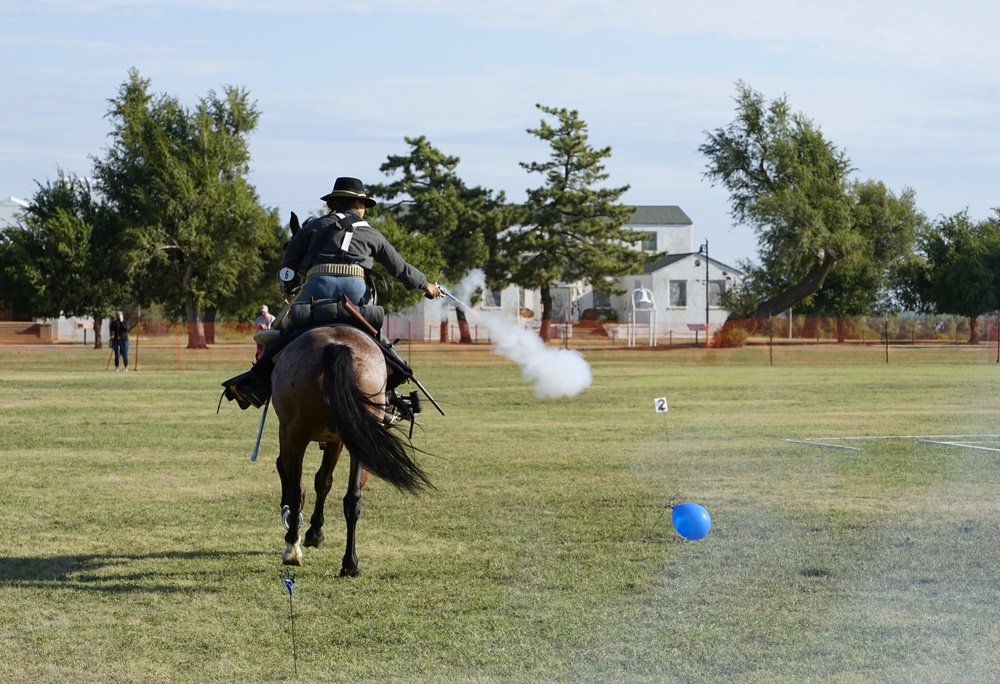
{"x":331,"y":255}
{"x":333,"y":251}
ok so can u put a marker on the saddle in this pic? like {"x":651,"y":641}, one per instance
{"x":306,"y":315}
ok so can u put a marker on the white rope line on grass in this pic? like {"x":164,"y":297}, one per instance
{"x":920,"y":439}
{"x":956,"y":444}
{"x":821,"y":444}
{"x":836,"y":439}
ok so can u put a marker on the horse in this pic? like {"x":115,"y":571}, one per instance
{"x":328,"y":386}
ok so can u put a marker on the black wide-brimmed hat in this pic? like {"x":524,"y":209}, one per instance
{"x":352,"y":188}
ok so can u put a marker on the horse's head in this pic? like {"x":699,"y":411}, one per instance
{"x":288,"y":286}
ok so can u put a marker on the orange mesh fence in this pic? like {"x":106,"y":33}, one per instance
{"x":772,"y":337}
{"x":894,"y":330}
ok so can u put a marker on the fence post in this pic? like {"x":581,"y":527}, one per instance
{"x":887,"y":340}
{"x":770,"y":339}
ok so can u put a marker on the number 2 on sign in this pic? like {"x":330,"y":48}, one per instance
{"x":660,"y":404}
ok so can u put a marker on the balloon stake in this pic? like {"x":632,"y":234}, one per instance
{"x":289,"y":581}
{"x":670,"y":505}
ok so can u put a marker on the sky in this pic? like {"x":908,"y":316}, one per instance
{"x":908,"y":89}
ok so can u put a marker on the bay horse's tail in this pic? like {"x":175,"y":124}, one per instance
{"x":380,"y":450}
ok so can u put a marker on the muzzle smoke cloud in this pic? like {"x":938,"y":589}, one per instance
{"x":555,"y":373}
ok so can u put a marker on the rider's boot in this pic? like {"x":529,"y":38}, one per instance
{"x":398,"y":406}
{"x":252,"y":388}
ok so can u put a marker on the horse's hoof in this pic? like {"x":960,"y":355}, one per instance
{"x":348,"y":572}
{"x":292,"y":555}
{"x":314,"y":540}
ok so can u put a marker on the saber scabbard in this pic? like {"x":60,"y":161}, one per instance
{"x":260,"y":430}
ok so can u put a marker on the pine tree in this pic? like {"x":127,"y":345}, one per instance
{"x":571,"y":229}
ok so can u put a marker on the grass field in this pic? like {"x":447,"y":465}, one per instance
{"x":140,"y":544}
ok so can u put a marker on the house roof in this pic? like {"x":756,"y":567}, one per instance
{"x":659,"y":215}
{"x":669,"y":259}
{"x":665,"y":261}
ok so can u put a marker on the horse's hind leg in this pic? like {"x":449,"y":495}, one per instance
{"x":323,"y":482}
{"x":352,"y":511}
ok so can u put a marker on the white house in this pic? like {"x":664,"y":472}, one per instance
{"x":677,"y":295}
{"x":673,"y":298}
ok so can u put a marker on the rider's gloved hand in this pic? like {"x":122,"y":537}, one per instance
{"x":432,"y":291}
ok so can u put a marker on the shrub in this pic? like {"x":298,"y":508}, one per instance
{"x":730,"y":336}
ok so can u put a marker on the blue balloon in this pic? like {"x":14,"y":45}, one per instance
{"x":691,"y":521}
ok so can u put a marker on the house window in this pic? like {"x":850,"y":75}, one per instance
{"x":678,"y":293}
{"x":602,"y":301}
{"x":491,"y":298}
{"x":715,"y":290}
{"x":649,"y":242}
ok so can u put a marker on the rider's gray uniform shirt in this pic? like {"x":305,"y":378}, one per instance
{"x":367,"y":243}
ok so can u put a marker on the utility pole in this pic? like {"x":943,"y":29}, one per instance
{"x":704,"y":249}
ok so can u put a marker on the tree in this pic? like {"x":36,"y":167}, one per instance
{"x":66,"y":254}
{"x":861,"y":283}
{"x":428,"y":198}
{"x":178,"y":176}
{"x":960,"y":270}
{"x":570,"y":229}
{"x":791,"y":186}
{"x":255,"y":289}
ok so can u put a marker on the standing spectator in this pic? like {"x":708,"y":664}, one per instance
{"x":119,"y":339}
{"x":263,"y":322}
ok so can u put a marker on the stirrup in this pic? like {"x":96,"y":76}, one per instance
{"x":231,"y":394}
{"x":394,"y":411}
{"x":399,"y":407}
{"x":247,"y":390}
{"x":391,"y":416}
